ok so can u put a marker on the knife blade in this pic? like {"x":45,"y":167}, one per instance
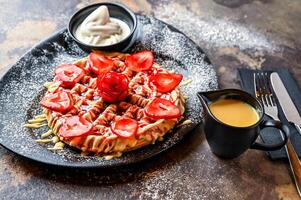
{"x":288,"y":107}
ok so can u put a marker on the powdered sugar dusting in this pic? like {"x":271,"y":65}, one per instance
{"x":22,"y":88}
{"x":213,"y":32}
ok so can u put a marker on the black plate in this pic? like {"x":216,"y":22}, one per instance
{"x":21,"y":89}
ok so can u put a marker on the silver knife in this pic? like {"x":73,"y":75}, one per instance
{"x":289,"y":109}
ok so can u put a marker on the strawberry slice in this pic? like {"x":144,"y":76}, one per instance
{"x":141,"y":61}
{"x":162,"y":109}
{"x":113,"y":86}
{"x":75,"y":126}
{"x":68,"y":74}
{"x":125,"y":128}
{"x":60,"y":101}
{"x":165,"y":82}
{"x":99,"y":63}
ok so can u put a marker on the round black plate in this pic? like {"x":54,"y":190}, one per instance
{"x":21,"y":89}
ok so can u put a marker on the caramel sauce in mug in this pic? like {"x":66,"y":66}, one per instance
{"x":234,"y":112}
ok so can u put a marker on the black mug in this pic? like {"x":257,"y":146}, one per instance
{"x":229,"y":141}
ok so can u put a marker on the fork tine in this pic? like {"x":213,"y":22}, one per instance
{"x":261,"y":88}
{"x":256,"y":86}
{"x":267,"y":88}
{"x":257,"y":92}
{"x":271,"y":92}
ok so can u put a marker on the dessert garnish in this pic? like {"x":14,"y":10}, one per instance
{"x":141,"y":61}
{"x":75,"y":126}
{"x":60,"y":101}
{"x":110,"y":103}
{"x":125,"y":128}
{"x":68,"y":74}
{"x":100,"y":64}
{"x":112,"y":86}
{"x":165,"y":82}
{"x":162,"y":109}
{"x":99,"y":29}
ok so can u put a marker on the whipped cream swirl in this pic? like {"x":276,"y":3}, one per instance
{"x":99,"y":29}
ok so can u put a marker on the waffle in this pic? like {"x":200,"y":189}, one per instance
{"x":89,"y":104}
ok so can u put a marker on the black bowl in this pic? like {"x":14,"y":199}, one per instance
{"x":116,"y":10}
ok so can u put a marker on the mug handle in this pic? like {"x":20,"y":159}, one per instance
{"x":272,"y":147}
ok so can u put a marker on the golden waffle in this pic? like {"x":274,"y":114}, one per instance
{"x":90,"y":105}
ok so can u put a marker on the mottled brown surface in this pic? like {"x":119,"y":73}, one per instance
{"x":234,"y":33}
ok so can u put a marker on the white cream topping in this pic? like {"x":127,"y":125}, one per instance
{"x":99,"y":29}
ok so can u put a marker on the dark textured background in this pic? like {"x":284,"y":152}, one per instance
{"x":235,"y":33}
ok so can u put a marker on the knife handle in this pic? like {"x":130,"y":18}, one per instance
{"x":294,"y":164}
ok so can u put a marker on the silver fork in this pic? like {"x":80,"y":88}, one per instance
{"x":265,"y":95}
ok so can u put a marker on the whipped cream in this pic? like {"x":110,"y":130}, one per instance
{"x":99,"y":29}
